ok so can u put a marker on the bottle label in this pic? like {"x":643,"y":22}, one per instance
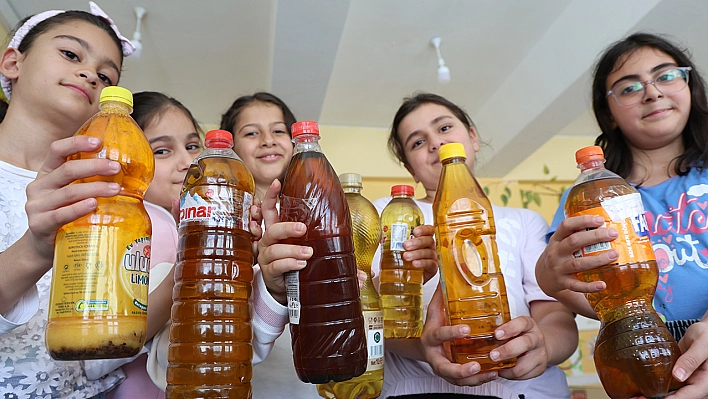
{"x":292,"y":290}
{"x":626,"y":215}
{"x":87,"y":264}
{"x":400,"y":232}
{"x":218,"y":206}
{"x":374,"y":339}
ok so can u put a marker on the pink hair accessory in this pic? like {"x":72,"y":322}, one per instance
{"x":20,"y":34}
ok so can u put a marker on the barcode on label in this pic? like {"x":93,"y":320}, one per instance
{"x":292,"y":289}
{"x":599,"y":247}
{"x":375,"y":351}
{"x":399,"y":234}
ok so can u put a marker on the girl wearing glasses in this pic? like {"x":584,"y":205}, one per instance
{"x":650,"y":103}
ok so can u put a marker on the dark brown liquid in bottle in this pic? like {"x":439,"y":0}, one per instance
{"x":635,"y":352}
{"x":329,"y":342}
{"x":210,"y":337}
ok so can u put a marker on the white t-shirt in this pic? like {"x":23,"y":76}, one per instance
{"x":520,"y":241}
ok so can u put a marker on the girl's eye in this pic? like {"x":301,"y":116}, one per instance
{"x":249,"y":134}
{"x":193,"y":147}
{"x":668,"y":76}
{"x":445,"y":128}
{"x":278,"y":131}
{"x":631,"y":88}
{"x":417,"y":143}
{"x":160,"y":151}
{"x":70,"y":55}
{"x":105,"y":79}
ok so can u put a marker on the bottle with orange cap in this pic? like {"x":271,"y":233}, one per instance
{"x":98,"y":299}
{"x":634,"y":353}
{"x":210,"y":348}
{"x":401,"y":286}
{"x":326,"y":321}
{"x":471,"y":276}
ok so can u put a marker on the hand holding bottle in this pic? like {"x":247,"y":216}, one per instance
{"x":276,"y":258}
{"x":420,"y":250}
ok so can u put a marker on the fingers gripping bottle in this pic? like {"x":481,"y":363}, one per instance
{"x":210,"y":348}
{"x":634,"y":353}
{"x":326,"y":323}
{"x":366,"y":227}
{"x":470,"y":272}
{"x":98,"y":299}
{"x":401,"y":283}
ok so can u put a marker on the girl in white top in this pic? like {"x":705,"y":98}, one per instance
{"x":422,"y":368}
{"x":53,"y":72}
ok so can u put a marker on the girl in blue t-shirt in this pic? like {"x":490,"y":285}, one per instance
{"x":650,"y":103}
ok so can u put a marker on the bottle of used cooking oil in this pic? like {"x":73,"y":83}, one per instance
{"x":98,"y":300}
{"x":635,"y":352}
{"x":323,"y":297}
{"x":471,"y":277}
{"x":210,"y":348}
{"x":401,"y":283}
{"x":366,"y":228}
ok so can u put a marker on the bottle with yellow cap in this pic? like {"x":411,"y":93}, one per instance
{"x":634,"y":352}
{"x":366,"y":229}
{"x":98,"y":300}
{"x":472,"y":281}
{"x":210,"y":348}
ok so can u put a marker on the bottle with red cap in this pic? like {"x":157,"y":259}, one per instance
{"x":634,"y":353}
{"x":326,"y":323}
{"x":210,"y":337}
{"x":401,"y":286}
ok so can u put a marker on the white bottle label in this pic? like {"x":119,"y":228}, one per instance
{"x":374,"y":339}
{"x":399,"y":235}
{"x":292,"y":290}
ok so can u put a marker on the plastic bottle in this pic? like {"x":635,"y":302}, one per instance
{"x":210,"y":348}
{"x":366,"y":226}
{"x":634,"y":353}
{"x":471,"y":277}
{"x":401,"y":283}
{"x":326,"y":323}
{"x":98,"y":299}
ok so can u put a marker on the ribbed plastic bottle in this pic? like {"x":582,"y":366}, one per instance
{"x":98,"y":299}
{"x":366,"y":227}
{"x":472,"y":281}
{"x":210,"y":348}
{"x":401,"y":284}
{"x":326,"y":323}
{"x":634,"y":352}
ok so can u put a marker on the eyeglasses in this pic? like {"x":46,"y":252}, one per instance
{"x":667,"y":81}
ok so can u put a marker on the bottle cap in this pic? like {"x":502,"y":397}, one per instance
{"x":116,"y":93}
{"x":350,"y":180}
{"x":589,"y":153}
{"x":219,"y":139}
{"x":451,"y":150}
{"x":305,"y":127}
{"x":402,"y":189}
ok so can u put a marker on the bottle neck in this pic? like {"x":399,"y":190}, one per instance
{"x":115,"y":106}
{"x":351,"y":189}
{"x":307,"y":142}
{"x":592,"y":164}
{"x":395,"y":196}
{"x":453,"y":160}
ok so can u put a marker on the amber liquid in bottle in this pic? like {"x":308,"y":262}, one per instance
{"x":210,"y":337}
{"x":472,"y":281}
{"x":327,"y":329}
{"x":401,"y":284}
{"x":634,"y":353}
{"x":98,"y":300}
{"x":367,"y":234}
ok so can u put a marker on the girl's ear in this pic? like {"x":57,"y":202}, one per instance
{"x":9,"y":63}
{"x":475,"y":139}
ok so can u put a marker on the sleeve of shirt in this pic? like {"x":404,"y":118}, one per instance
{"x":559,"y":216}
{"x":534,"y":228}
{"x":22,"y":312}
{"x":269,"y":319}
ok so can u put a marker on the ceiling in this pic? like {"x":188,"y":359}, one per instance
{"x":520,"y":68}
